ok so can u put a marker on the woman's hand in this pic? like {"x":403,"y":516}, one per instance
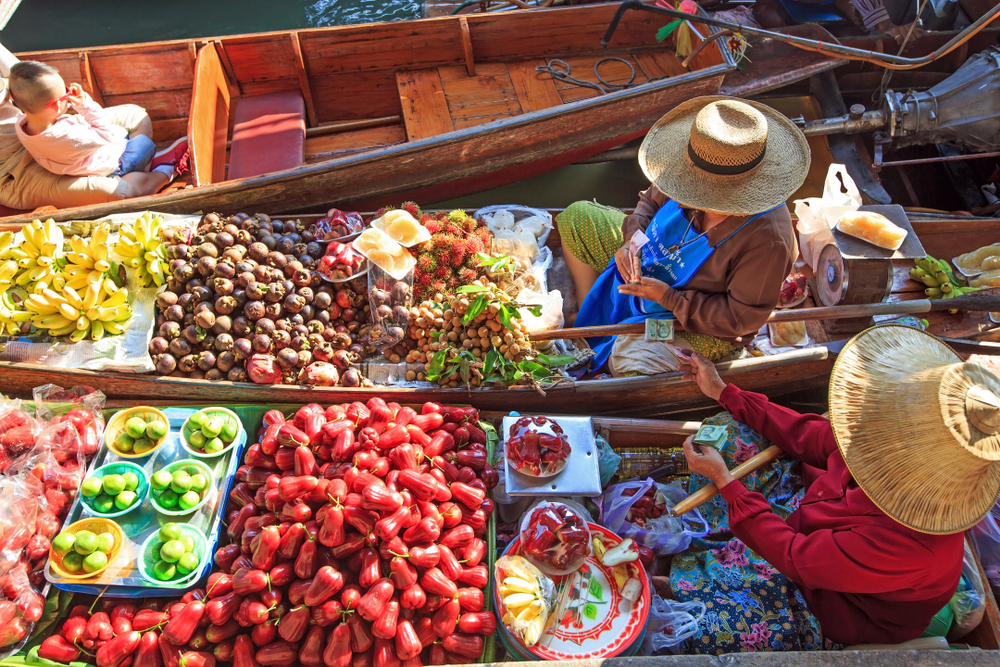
{"x":649,"y":289}
{"x":624,"y":263}
{"x":704,"y":374}
{"x":707,"y":462}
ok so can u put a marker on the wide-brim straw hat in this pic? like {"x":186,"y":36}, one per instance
{"x":918,"y":427}
{"x":725,"y":155}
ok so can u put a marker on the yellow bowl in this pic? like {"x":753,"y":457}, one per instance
{"x":116,"y":426}
{"x":97,"y":526}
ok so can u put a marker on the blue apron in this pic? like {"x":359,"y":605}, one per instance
{"x":673,"y":255}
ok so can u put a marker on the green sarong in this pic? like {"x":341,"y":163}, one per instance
{"x":592,"y":232}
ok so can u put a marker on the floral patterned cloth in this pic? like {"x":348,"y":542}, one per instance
{"x":751,"y":606}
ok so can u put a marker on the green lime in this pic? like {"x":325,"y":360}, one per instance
{"x":105,"y":542}
{"x":181,"y":481}
{"x":124,"y":442}
{"x":188,"y":563}
{"x":131,"y":481}
{"x":143,"y":446}
{"x":156,"y":430}
{"x":170,"y":531}
{"x":189,"y":500}
{"x":95,"y":561}
{"x":197,"y":439}
{"x":125,"y":500}
{"x":135,"y":427}
{"x":172,"y":551}
{"x":229,"y":431}
{"x":164,"y":571}
{"x":198,"y":483}
{"x":214,"y":446}
{"x":168,"y":499}
{"x":212,"y":428}
{"x":63,"y":543}
{"x":197,"y":419}
{"x":113,"y":484}
{"x":91,"y":487}
{"x":188,"y":543}
{"x":161,"y":480}
{"x":85,"y":543}
{"x":104,"y":504}
{"x":72,"y":562}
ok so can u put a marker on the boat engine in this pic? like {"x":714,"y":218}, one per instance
{"x":963,"y":110}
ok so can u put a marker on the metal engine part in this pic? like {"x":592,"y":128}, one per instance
{"x":963,"y":110}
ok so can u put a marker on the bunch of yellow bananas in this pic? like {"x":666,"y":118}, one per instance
{"x":938,"y":277}
{"x":139,"y":244}
{"x":103,"y":309}
{"x":12,"y":314}
{"x":88,"y":262}
{"x":8,"y":265}
{"x":36,"y":256}
{"x":524,"y":606}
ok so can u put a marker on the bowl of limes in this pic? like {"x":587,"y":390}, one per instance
{"x":182,"y":487}
{"x":136,"y":432}
{"x":211,"y":432}
{"x":85,"y":548}
{"x":114,"y":489}
{"x":173,"y":555}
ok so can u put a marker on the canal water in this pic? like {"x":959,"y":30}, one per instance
{"x":66,"y":24}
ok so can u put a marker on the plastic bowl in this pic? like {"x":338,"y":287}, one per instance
{"x":119,"y":467}
{"x":187,"y":429}
{"x":117,"y":425}
{"x":192,"y":466}
{"x":96,"y":525}
{"x":147,"y":558}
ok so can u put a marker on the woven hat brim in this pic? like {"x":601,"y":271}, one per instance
{"x":893,"y":446}
{"x":664,"y":159}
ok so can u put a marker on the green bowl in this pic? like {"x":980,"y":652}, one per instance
{"x":192,"y":466}
{"x":147,"y":559}
{"x":187,"y":429}
{"x":118,"y":468}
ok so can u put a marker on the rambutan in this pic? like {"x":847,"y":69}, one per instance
{"x":469,"y":225}
{"x":442,"y":273}
{"x":485,"y":236}
{"x":425,"y":247}
{"x":458,"y":215}
{"x":439,"y":286}
{"x":432,"y":225}
{"x":467,"y":276}
{"x":382,"y":211}
{"x":411,"y":208}
{"x":453,"y":283}
{"x":425,"y":279}
{"x":426,"y":263}
{"x":473,"y":245}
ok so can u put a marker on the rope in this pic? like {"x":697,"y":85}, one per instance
{"x":604,"y":87}
{"x":887,"y":73}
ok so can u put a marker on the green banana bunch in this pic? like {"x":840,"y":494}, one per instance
{"x":939,"y":279}
{"x":140,"y":245}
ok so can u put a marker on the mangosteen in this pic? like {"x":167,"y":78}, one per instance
{"x":323,"y":317}
{"x":400,"y":291}
{"x":210,"y":219}
{"x":223,"y":342}
{"x":302,"y":278}
{"x":225,"y":269}
{"x":165,"y":364}
{"x":262,"y":273}
{"x":225,"y":361}
{"x":384,"y":312}
{"x":348,"y":315}
{"x":273,"y":310}
{"x":354,"y":348}
{"x":225,"y":239}
{"x":261,"y":343}
{"x":292,"y":267}
{"x":293,"y":303}
{"x":275,"y":293}
{"x":255,"y":291}
{"x":197,"y":374}
{"x":225,"y":305}
{"x":241,"y":326}
{"x":186,"y":301}
{"x":341,"y":340}
{"x":223,"y":324}
{"x":206,"y":266}
{"x":245,"y":279}
{"x":223,"y":286}
{"x":254,"y":310}
{"x":322,"y":352}
{"x":401,"y":314}
{"x":214,"y":375}
{"x":208,"y":249}
{"x":187,"y":363}
{"x":158,"y":345}
{"x":350,"y":378}
{"x":288,"y":358}
{"x":188,"y":319}
{"x":305,"y":358}
{"x":269,"y":243}
{"x":241,"y":297}
{"x":296,"y":319}
{"x":205,"y":319}
{"x":307,"y":261}
{"x":264,"y":326}
{"x":243,"y":237}
{"x":165,"y":299}
{"x":242,"y":347}
{"x":237,"y":373}
{"x":299,"y":329}
{"x":194,"y":334}
{"x":353,"y":326}
{"x":315,"y":339}
{"x":257,"y":251}
{"x":323,"y":300}
{"x":316,"y":279}
{"x":174,"y":313}
{"x":203,"y":293}
{"x":206,"y":360}
{"x":314,"y":250}
{"x":183,"y":273}
{"x":282,"y":339}
{"x":169,"y":330}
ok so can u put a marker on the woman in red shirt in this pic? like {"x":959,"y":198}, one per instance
{"x":787,"y":570}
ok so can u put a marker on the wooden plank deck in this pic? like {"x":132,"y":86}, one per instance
{"x":425,"y":109}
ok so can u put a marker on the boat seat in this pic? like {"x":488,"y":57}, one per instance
{"x":4,"y":211}
{"x":269,"y":134}
{"x":824,"y":12}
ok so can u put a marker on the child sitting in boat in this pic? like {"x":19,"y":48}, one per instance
{"x":87,"y":142}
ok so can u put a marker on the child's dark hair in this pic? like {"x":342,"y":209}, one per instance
{"x":26,"y":87}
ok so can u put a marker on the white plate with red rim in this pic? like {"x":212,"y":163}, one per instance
{"x":595,"y":622}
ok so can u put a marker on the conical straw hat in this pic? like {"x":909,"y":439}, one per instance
{"x":918,"y":427}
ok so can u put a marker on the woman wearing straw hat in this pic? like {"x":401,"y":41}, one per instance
{"x":720,"y":238}
{"x":871,"y":548}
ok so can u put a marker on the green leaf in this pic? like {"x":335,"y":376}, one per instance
{"x":666,"y":30}
{"x":506,"y":313}
{"x":490,"y":362}
{"x":534,"y":310}
{"x":536,"y":371}
{"x":470,"y":289}
{"x":465,"y":370}
{"x":556,"y":359}
{"x":437,"y":366}
{"x":485,"y":259}
{"x":475,"y":308}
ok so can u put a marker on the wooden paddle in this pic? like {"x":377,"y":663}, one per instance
{"x":969,"y":302}
{"x":706,"y":493}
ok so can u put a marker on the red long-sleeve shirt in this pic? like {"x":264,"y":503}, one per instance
{"x":866,"y":577}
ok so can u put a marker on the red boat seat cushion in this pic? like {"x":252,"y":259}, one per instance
{"x":269,"y":134}
{"x":4,"y":211}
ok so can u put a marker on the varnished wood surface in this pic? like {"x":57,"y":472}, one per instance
{"x":425,"y":110}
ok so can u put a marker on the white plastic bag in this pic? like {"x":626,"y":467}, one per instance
{"x":670,"y":623}
{"x":552,"y":310}
{"x":818,"y":215}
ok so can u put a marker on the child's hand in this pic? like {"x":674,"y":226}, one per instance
{"x":75,"y":94}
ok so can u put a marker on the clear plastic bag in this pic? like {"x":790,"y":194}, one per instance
{"x":515,"y":576}
{"x":515,"y":218}
{"x":551,"y":316}
{"x":555,"y":538}
{"x":81,"y":406}
{"x":969,"y":602}
{"x":389,"y":299}
{"x":670,"y":624}
{"x":986,"y":538}
{"x":655,"y":529}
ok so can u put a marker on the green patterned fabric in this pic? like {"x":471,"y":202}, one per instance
{"x":592,"y":232}
{"x":709,"y":347}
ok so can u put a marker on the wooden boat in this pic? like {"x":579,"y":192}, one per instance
{"x":424,"y":110}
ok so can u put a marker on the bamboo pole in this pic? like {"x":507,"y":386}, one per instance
{"x":706,"y":493}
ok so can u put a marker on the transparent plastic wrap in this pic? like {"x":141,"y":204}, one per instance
{"x":18,"y":431}
{"x":389,"y":298}
{"x":337,"y":224}
{"x":641,"y":510}
{"x":670,"y":624}
{"x":528,"y":598}
{"x":81,"y":406}
{"x":519,"y":219}
{"x":986,"y":537}
{"x":969,"y":602}
{"x":555,"y":538}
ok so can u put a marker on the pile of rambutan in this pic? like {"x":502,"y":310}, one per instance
{"x":448,"y":260}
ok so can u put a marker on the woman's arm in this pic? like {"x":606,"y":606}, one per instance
{"x":649,"y":203}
